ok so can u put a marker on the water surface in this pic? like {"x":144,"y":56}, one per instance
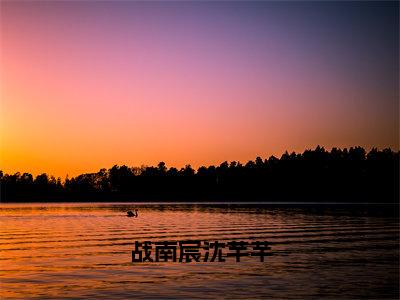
{"x":84,"y":250}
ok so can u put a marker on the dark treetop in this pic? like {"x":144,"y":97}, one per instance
{"x":348,"y":175}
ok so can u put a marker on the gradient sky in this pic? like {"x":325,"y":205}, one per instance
{"x":90,"y":84}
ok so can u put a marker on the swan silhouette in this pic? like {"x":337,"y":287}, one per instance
{"x":132,"y":214}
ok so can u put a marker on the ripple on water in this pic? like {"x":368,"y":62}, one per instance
{"x":84,"y":250}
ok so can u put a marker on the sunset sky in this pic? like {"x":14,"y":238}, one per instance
{"x":90,"y":84}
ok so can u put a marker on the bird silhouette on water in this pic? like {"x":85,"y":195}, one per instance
{"x":132,"y":214}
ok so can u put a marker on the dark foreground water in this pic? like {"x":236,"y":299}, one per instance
{"x":84,"y":250}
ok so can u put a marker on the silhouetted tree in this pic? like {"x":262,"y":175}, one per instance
{"x":314,"y":175}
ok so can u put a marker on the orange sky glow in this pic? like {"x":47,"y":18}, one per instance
{"x":86,"y":85}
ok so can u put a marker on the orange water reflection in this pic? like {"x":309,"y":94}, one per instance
{"x":84,"y":250}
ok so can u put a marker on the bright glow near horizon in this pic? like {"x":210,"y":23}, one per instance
{"x":86,"y":85}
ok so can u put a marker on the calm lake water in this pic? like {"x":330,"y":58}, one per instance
{"x":84,"y":250}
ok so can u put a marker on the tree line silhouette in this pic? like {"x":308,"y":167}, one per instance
{"x":339,"y":175}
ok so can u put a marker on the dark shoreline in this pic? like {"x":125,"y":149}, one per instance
{"x":205,"y":202}
{"x":312,"y":176}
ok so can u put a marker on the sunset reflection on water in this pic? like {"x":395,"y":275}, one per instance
{"x":84,"y":250}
